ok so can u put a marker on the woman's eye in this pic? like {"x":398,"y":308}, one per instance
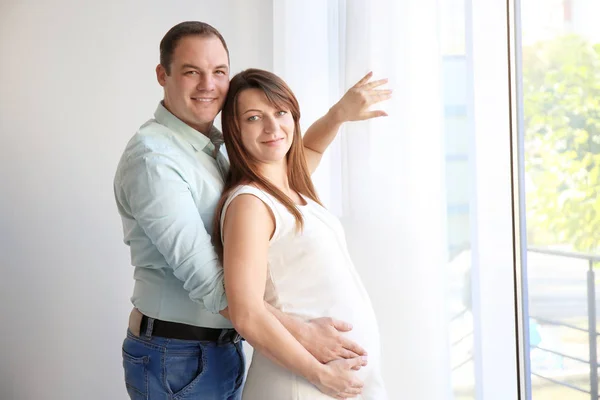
{"x":253,"y":118}
{"x":281,"y":112}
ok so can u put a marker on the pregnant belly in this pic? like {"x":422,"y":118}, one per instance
{"x":364,"y":331}
{"x":328,"y":289}
{"x":348,"y":306}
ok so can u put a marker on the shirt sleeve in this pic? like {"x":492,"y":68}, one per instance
{"x":161,"y":202}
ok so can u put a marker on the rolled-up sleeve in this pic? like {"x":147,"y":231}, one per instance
{"x":161,"y":202}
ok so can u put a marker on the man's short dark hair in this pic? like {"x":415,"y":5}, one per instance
{"x":188,"y":28}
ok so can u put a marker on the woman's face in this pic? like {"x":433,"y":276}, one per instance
{"x":267,"y":132}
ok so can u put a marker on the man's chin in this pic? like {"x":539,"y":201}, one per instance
{"x":205,"y":114}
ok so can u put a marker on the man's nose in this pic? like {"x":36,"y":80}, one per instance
{"x":206,"y":82}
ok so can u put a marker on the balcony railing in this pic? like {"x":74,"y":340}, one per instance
{"x":591,"y":330}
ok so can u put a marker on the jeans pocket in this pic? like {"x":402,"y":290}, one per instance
{"x":136,"y":376}
{"x":239,"y":347}
{"x":183,"y":371}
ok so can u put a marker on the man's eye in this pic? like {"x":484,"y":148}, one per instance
{"x":191,"y":72}
{"x":220,"y":72}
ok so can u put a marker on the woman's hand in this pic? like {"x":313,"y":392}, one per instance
{"x":338,"y":378}
{"x":354,"y":105}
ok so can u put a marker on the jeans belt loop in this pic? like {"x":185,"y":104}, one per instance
{"x":149,"y":328}
{"x":222,"y":336}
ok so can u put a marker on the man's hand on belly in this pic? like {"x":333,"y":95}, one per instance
{"x":323,"y":339}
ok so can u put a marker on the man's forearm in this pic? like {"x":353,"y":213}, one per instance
{"x":225,"y":313}
{"x":294,"y":325}
{"x":266,"y":334}
{"x":321,"y":336}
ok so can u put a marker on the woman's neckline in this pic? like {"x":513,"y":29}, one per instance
{"x":302,"y":197}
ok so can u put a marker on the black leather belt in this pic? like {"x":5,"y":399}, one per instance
{"x":176,"y":330}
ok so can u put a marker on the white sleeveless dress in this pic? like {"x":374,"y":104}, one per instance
{"x":311,"y":275}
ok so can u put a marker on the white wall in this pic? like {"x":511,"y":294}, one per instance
{"x":76,"y":80}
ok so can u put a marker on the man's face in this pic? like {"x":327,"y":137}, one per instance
{"x":195,"y":89}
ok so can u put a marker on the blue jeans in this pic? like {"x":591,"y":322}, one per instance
{"x":158,"y":368}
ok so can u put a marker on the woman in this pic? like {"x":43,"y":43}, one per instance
{"x":279,"y":244}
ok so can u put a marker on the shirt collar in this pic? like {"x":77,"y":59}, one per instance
{"x":198,"y":140}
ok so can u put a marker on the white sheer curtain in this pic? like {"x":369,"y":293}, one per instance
{"x":385,"y":179}
{"x":394,"y":198}
{"x":391,"y":195}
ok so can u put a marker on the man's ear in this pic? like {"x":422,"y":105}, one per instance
{"x":161,"y":75}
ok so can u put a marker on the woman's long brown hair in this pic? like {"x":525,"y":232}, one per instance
{"x":243,"y":168}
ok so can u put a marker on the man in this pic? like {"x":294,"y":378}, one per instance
{"x":167,"y":184}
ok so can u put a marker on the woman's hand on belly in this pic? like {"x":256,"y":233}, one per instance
{"x":338,"y":378}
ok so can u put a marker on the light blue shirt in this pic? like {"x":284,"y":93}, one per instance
{"x":167,"y":186}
